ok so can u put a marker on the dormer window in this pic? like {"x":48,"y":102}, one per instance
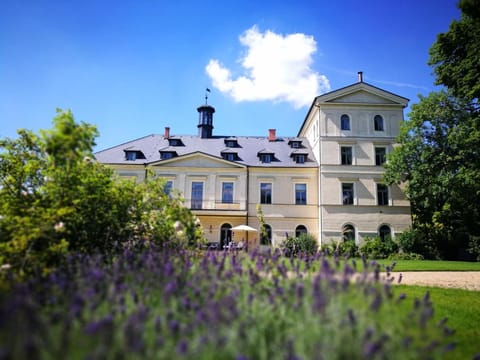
{"x":266,"y":158}
{"x":164,"y":155}
{"x":231,"y":143}
{"x":299,"y":158}
{"x":175,"y":142}
{"x":295,"y":144}
{"x":230,"y":156}
{"x":132,"y":155}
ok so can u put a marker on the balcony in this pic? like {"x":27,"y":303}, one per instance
{"x":195,"y":204}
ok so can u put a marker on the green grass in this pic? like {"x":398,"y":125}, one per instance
{"x":431,"y":265}
{"x":461,"y":308}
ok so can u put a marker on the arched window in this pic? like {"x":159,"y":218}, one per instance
{"x":225,"y":235}
{"x":348,"y":232}
{"x":301,"y":229}
{"x":378,"y":123}
{"x":268,"y":239}
{"x":384,"y":231}
{"x":345,"y":122}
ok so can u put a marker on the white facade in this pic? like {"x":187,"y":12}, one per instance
{"x":350,"y":131}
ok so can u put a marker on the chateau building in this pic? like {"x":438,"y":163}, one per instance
{"x":326,"y":181}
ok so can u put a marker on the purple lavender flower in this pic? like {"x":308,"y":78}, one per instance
{"x":182,"y":347}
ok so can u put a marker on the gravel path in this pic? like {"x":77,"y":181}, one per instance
{"x":468,"y":280}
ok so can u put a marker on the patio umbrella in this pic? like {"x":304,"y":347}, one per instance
{"x":246,"y":229}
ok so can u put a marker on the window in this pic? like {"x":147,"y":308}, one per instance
{"x":197,"y":195}
{"x":346,"y":154}
{"x":380,"y":155}
{"x":227,"y":192}
{"x":347,"y":194}
{"x":348,"y":233}
{"x":131,"y":155}
{"x":295,"y":144}
{"x":345,"y":122}
{"x":382,"y":194}
{"x":265,"y":193}
{"x":299,"y":158}
{"x":229,"y":156}
{"x":167,"y":154}
{"x":384,"y":232}
{"x":301,"y":229}
{"x":167,"y":188}
{"x":231,"y":143}
{"x":300,"y":194}
{"x":266,"y":240}
{"x":175,"y":142}
{"x":266,"y":158}
{"x":378,"y":123}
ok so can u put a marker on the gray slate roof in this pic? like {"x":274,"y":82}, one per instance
{"x":247,"y":150}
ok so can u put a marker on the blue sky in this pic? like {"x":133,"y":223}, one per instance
{"x":134,"y":67}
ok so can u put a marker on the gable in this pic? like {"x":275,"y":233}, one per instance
{"x":195,"y":160}
{"x":362,"y":97}
{"x":362,"y":93}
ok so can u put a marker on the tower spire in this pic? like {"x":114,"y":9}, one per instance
{"x":207,"y":90}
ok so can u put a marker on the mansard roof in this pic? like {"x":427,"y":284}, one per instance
{"x":248,"y":149}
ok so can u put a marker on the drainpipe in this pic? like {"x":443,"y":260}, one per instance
{"x":247,"y":194}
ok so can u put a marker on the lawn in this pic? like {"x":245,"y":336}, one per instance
{"x":461,"y":308}
{"x":431,"y":265}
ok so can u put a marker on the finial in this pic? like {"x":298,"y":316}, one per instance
{"x":207,"y":90}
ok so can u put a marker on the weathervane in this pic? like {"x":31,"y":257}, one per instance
{"x":207,"y":90}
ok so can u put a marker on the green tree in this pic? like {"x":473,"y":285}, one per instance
{"x":455,"y":56}
{"x":54,"y":199}
{"x":263,"y":231}
{"x":438,"y":157}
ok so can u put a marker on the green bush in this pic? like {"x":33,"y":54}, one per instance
{"x":376,"y":248}
{"x":305,"y":243}
{"x":405,"y":256}
{"x":341,"y":248}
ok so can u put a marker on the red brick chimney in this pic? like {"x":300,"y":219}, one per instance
{"x":167,"y":132}
{"x":272,"y":134}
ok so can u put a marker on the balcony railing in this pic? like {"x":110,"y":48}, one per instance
{"x":195,"y":204}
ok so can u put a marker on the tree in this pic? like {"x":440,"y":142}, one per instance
{"x":455,"y":56}
{"x":55,"y":199}
{"x":438,"y":157}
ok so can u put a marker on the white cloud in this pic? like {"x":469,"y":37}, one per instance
{"x":276,"y":68}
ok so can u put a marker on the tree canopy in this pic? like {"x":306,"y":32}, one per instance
{"x":439,"y":156}
{"x":56,"y":199}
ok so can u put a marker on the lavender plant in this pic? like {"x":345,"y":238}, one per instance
{"x":153,"y":303}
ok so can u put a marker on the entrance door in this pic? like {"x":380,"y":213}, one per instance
{"x":225,"y":235}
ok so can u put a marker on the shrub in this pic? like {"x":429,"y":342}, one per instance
{"x":304,"y":243}
{"x":405,"y":256}
{"x":346,"y":248}
{"x":376,"y":248}
{"x":474,"y":246}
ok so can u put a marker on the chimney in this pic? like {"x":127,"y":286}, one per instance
{"x":272,"y":134}
{"x":360,"y":76}
{"x":167,"y":132}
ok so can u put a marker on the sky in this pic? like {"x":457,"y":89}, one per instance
{"x":134,"y":67}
